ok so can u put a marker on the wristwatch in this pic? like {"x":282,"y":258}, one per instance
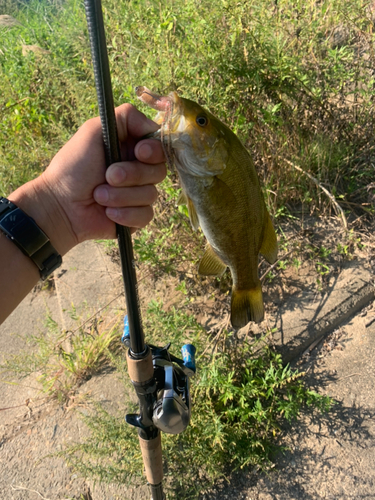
{"x":30,"y":239}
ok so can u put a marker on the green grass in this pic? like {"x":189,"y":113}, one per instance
{"x":45,"y":97}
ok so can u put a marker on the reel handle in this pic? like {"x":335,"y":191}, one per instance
{"x":188,"y":356}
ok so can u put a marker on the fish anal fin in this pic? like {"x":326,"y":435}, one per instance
{"x":211,"y":264}
{"x":269,"y":243}
{"x":246,"y":305}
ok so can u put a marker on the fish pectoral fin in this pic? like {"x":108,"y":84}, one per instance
{"x":211,"y":264}
{"x":182,"y":199}
{"x":192,"y":214}
{"x":269,"y":243}
{"x":246,"y":305}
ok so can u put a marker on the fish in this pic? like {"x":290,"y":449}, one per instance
{"x":222,"y":192}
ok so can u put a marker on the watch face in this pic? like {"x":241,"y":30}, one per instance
{"x":18,"y":226}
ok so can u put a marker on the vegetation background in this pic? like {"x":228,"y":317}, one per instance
{"x":294,"y":79}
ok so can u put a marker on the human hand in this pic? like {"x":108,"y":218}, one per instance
{"x":79,"y":199}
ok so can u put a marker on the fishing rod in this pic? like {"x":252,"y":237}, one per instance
{"x":160,"y":379}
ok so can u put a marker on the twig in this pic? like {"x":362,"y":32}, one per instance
{"x":337,"y":207}
{"x":89,"y":319}
{"x":208,"y":345}
{"x":11,"y":407}
{"x":18,"y":488}
{"x":5,"y":108}
{"x":224,"y":324}
{"x":59,"y":300}
{"x":26,"y":403}
{"x":347,"y":376}
{"x":312,"y":346}
{"x":275,"y":264}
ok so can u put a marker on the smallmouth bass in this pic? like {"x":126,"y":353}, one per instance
{"x":221,"y":189}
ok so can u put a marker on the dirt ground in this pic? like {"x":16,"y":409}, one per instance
{"x":330,"y":457}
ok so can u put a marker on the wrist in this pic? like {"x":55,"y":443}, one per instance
{"x":37,"y":200}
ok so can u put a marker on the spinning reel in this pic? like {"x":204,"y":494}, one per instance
{"x":165,"y":401}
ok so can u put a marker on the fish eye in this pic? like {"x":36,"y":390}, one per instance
{"x":202,"y":121}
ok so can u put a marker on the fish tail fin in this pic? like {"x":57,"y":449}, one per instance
{"x":246,"y":305}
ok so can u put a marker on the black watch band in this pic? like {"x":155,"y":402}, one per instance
{"x":30,"y":239}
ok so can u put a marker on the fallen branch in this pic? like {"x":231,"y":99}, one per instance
{"x":18,"y":488}
{"x":89,"y":319}
{"x":336,"y":206}
{"x":275,"y":264}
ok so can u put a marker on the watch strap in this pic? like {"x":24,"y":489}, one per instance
{"x":29,"y":238}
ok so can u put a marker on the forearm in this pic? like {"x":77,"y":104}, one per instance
{"x":18,"y":273}
{"x":17,"y":277}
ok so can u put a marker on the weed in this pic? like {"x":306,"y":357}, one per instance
{"x":109,"y":245}
{"x":323,"y":270}
{"x":181,"y":287}
{"x":343,"y":250}
{"x":63,"y":361}
{"x":324,"y":252}
{"x":270,"y":276}
{"x":347,"y":247}
{"x":282,"y":265}
{"x":296,"y":263}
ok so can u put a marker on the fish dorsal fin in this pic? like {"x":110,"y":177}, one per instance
{"x":211,"y":264}
{"x":269,"y":243}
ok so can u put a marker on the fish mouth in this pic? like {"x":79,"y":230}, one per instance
{"x":156,"y":101}
{"x":168,"y":107}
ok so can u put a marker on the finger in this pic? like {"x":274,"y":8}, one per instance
{"x":149,"y":151}
{"x":135,"y":196}
{"x":134,"y":217}
{"x":130,"y":121}
{"x":135,"y":173}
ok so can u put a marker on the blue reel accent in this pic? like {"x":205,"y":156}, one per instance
{"x":126,"y":333}
{"x":188,"y":355}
